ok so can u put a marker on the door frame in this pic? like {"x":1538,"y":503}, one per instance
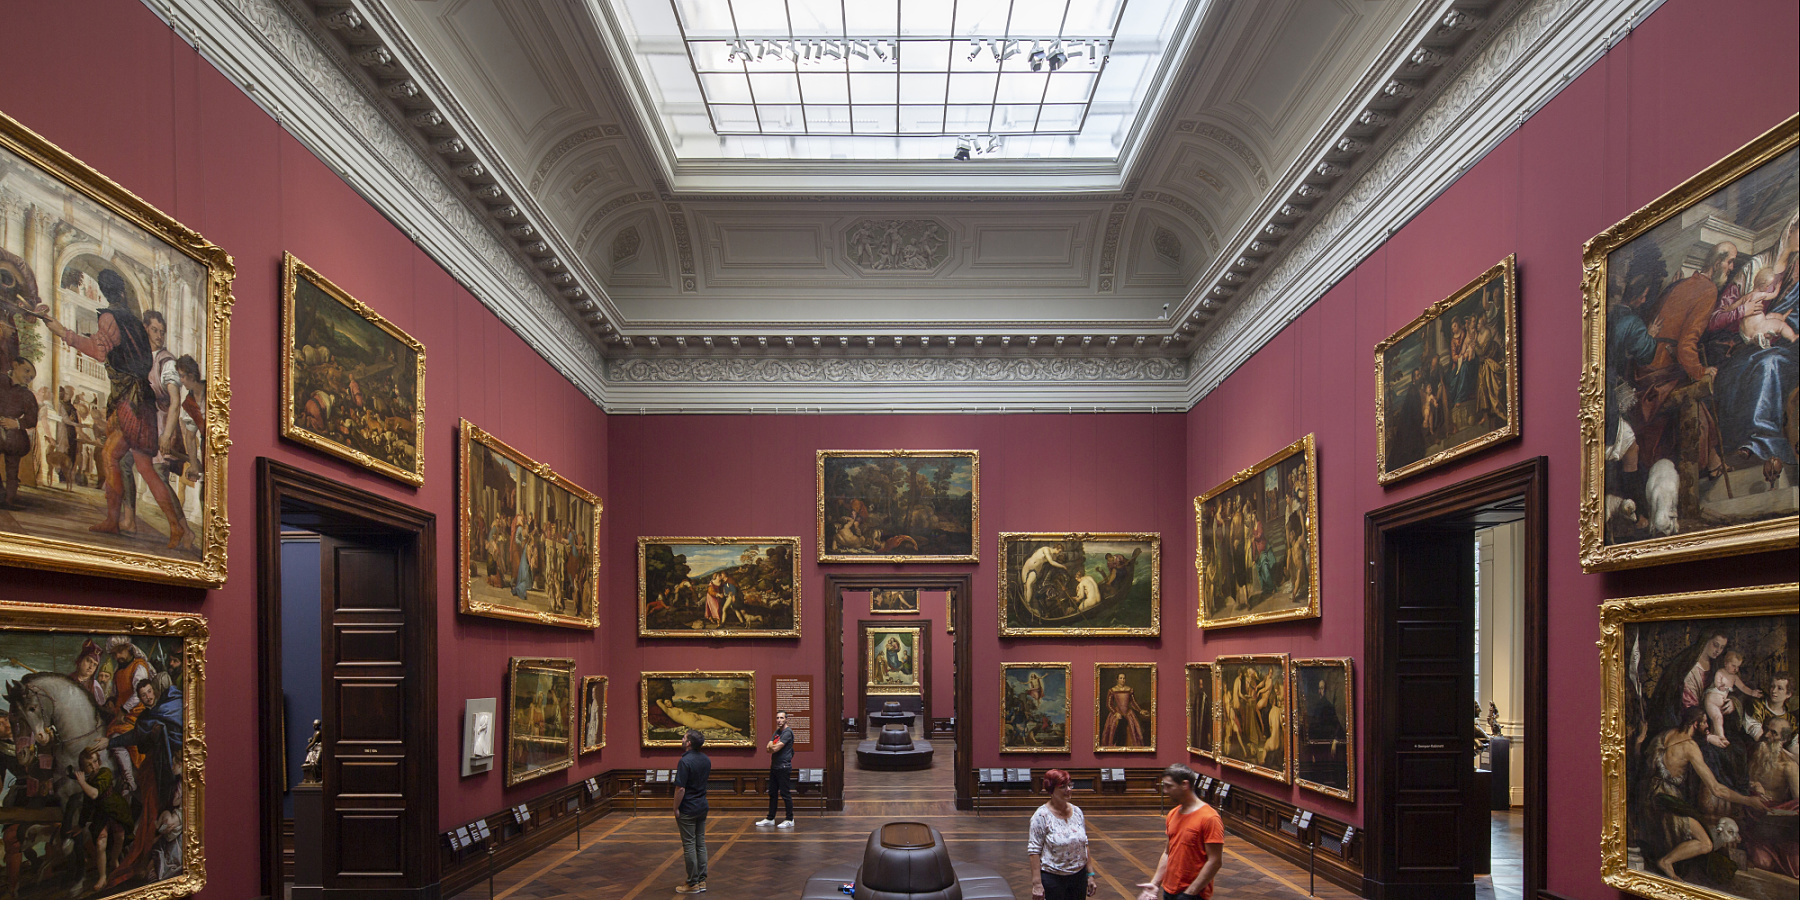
{"x":959,"y":586}
{"x":346,"y":512}
{"x":1459,"y":505}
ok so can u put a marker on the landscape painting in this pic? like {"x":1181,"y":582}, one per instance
{"x":899,"y":505}
{"x":1125,"y":707}
{"x":593,"y":713}
{"x":1257,"y":550}
{"x":895,"y":656}
{"x":718,"y":587}
{"x":352,"y":384}
{"x":1034,"y":708}
{"x":719,"y":705}
{"x":1697,"y":744}
{"x":113,"y":321}
{"x":1325,"y":726}
{"x":528,"y":538}
{"x":1690,"y":373}
{"x":1081,"y":584}
{"x":894,"y":602}
{"x":540,"y":717}
{"x":1201,"y":722}
{"x":1252,"y":693}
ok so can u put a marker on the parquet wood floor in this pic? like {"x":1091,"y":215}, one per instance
{"x":622,"y":857}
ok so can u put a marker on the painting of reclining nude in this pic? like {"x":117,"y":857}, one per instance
{"x":541,"y":718}
{"x":528,"y":538}
{"x":718,"y":587}
{"x":1698,"y":744}
{"x":719,"y":705}
{"x":1080,"y":584}
{"x":1034,"y":708}
{"x":113,"y":320}
{"x":1691,"y":375}
{"x":1253,"y":709}
{"x":103,"y":753}
{"x":899,"y":505}
{"x":1258,"y":545}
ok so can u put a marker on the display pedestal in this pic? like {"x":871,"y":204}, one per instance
{"x":309,"y":804}
{"x":1500,"y":765}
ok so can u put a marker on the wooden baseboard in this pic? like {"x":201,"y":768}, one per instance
{"x":1257,"y":819}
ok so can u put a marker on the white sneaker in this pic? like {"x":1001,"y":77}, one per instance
{"x":786,"y":824}
{"x":762,"y":822}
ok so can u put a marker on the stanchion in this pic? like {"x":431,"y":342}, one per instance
{"x":1312,"y":868}
{"x":490,"y":856}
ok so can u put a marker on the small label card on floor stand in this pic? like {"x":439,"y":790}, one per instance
{"x":793,"y":695}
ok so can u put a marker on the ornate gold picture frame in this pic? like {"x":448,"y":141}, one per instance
{"x":1688,"y":426}
{"x":1324,"y":720}
{"x":1447,"y":385}
{"x":1663,"y":779}
{"x":1125,"y":707}
{"x":720,"y":705}
{"x":1035,"y":707}
{"x":527,"y":537}
{"x":352,"y":383}
{"x":898,"y":506}
{"x":593,"y":713}
{"x":1252,"y":694}
{"x":541,"y":717}
{"x":1080,"y":584}
{"x":1279,"y":495}
{"x":110,"y":267}
{"x":895,"y":656}
{"x":1202,"y":712}
{"x":718,"y":587}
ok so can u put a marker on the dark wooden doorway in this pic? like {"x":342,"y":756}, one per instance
{"x":378,"y":644}
{"x":1424,"y":817}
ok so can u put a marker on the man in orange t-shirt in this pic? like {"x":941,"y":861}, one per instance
{"x":1196,"y":842}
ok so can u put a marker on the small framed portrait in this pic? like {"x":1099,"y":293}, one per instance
{"x":1252,"y":692}
{"x":1447,"y":385}
{"x":1324,"y":720}
{"x":1125,"y":707}
{"x":894,"y":506}
{"x":895,"y":657}
{"x":540,"y":717}
{"x":1034,"y":707}
{"x":718,"y":587}
{"x":894,"y":601}
{"x":1202,"y":713}
{"x":1080,"y":585}
{"x":1257,"y":549}
{"x":1697,"y":726}
{"x":719,"y":705}
{"x":593,"y":713}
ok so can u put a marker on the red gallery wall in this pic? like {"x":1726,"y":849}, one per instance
{"x":1636,"y":124}
{"x":142,"y":107}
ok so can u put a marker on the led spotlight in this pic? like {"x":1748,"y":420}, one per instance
{"x":1037,"y":61}
{"x":1058,"y":59}
{"x":962,"y":153}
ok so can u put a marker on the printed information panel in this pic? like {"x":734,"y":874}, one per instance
{"x":793,"y":695}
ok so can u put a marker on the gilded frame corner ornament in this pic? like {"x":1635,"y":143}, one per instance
{"x":292,"y":269}
{"x":1505,"y":270}
{"x":1769,"y":600}
{"x":470,"y":433}
{"x":647,"y":742}
{"x":564,"y":665}
{"x":1212,"y":709}
{"x":59,"y":555}
{"x":1100,"y":692}
{"x":974,"y":554}
{"x":1730,"y":540}
{"x":643,"y":589}
{"x":581,"y":739}
{"x":1308,"y":446}
{"x":1068,"y":705}
{"x":919,"y":662}
{"x":1154,"y":538}
{"x":1285,"y":773}
{"x":1348,"y":664}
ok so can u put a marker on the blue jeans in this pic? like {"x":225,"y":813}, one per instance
{"x":693,"y":846}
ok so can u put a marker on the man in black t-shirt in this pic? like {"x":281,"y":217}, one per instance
{"x":781,"y":762}
{"x":690,"y":809}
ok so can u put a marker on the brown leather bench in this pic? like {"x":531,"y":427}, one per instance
{"x":907,"y":861}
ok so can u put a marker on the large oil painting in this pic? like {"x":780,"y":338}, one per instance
{"x":716,"y":587}
{"x":1689,"y":378}
{"x":593,"y":713}
{"x":1253,"y":710}
{"x":894,"y":601}
{"x":1125,"y":707}
{"x":113,"y":323}
{"x":1697,"y":744}
{"x":894,"y":657}
{"x":1447,"y":385}
{"x":1080,"y":584}
{"x":540,"y":717}
{"x":1034,"y":707}
{"x":1257,"y":550}
{"x":899,"y":505}
{"x":1324,"y":720}
{"x":103,"y":747}
{"x":352,"y":384}
{"x":528,"y":538}
{"x":1202,"y":719}
{"x":719,"y":705}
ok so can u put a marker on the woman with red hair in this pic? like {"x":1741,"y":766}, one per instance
{"x":1058,"y":845}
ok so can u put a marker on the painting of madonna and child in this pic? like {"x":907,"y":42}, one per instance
{"x":718,"y":587}
{"x":719,"y":705}
{"x":528,"y":538}
{"x":1691,"y":380}
{"x":898,"y":505}
{"x":1699,"y":745}
{"x":1080,"y":584}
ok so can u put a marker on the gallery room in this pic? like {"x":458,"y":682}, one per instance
{"x":900,"y":449}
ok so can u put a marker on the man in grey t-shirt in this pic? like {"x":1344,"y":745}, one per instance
{"x":781,"y":764}
{"x":690,"y":809}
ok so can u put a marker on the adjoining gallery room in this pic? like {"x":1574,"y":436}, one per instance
{"x":900,"y":450}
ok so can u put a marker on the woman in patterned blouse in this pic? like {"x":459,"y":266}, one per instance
{"x":1059,"y":845}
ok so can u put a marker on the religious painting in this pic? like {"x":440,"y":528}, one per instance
{"x":1252,"y":694}
{"x":1125,"y":707}
{"x":1201,"y":714}
{"x":715,"y":587}
{"x":1257,"y":550}
{"x":719,"y":705}
{"x":113,"y":322}
{"x":528,"y":538}
{"x":895,"y":657}
{"x":352,"y":384}
{"x":105,"y":707}
{"x":1324,"y":720}
{"x":593,"y":713}
{"x":1688,"y":385}
{"x":899,"y":505}
{"x":1080,"y":585}
{"x":540,"y":717}
{"x":1447,"y":385}
{"x":893,"y":602}
{"x":1697,"y":744}
{"x":1034,"y":707}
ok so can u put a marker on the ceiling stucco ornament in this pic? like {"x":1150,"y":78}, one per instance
{"x":888,"y":246}
{"x":625,"y":244}
{"x":902,"y":370}
{"x":1167,"y":245}
{"x":560,"y":150}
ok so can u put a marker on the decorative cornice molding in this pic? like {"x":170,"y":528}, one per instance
{"x":905,"y":370}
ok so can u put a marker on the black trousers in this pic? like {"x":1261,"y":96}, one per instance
{"x":1058,"y":886}
{"x":778,"y":781}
